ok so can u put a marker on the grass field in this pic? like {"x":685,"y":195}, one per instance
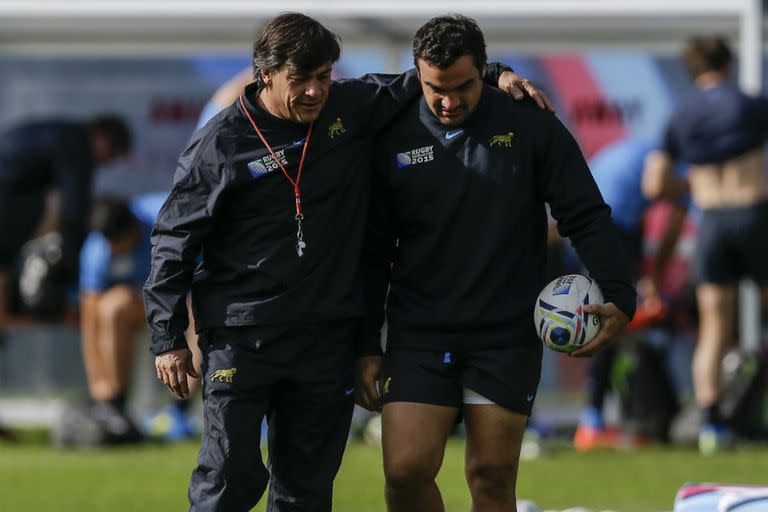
{"x":35,"y":478}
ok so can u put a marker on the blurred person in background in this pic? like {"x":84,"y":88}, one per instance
{"x":46,"y":169}
{"x":618,"y":172}
{"x":720,"y":132}
{"x":277,"y":298}
{"x":225,"y":95}
{"x":114,"y":264}
{"x":457,"y":252}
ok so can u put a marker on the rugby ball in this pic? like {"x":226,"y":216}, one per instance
{"x":561,"y":322}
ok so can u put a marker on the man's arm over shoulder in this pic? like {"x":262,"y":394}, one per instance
{"x":381,"y":97}
{"x":378,"y":97}
{"x":182,"y":224}
{"x":576,"y":203}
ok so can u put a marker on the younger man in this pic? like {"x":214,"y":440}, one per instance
{"x":459,"y":234}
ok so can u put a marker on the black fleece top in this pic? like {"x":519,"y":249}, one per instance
{"x":458,"y":226}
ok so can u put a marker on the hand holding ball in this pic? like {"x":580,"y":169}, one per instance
{"x":561,"y":322}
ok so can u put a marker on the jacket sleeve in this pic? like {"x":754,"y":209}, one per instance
{"x":182,"y":224}
{"x":582,"y":215}
{"x":387,"y":95}
{"x":379,"y":253}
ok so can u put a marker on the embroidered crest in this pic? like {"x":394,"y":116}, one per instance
{"x":224,"y":375}
{"x":336,"y":128}
{"x":503,"y":140}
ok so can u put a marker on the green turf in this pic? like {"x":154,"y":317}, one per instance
{"x":154,"y":478}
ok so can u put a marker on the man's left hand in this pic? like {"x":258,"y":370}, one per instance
{"x":612,"y":323}
{"x":518,"y":86}
{"x":367,"y":371}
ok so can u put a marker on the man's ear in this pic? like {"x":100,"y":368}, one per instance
{"x":484,"y":71}
{"x":266,"y":76}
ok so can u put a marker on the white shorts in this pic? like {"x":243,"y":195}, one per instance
{"x":473,"y":398}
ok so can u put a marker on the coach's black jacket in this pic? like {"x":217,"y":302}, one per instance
{"x":467,"y":205}
{"x":230,"y":202}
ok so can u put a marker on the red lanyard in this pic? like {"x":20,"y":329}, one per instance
{"x":300,"y":244}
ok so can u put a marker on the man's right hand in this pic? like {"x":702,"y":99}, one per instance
{"x":612,"y":324}
{"x":367,"y":371}
{"x":172,"y":369}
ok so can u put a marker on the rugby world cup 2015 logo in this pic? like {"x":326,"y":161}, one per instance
{"x":415,"y":156}
{"x":563,"y":285}
{"x":265,"y":165}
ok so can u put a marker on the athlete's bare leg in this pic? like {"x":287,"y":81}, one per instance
{"x":413,"y":439}
{"x":717,"y":315}
{"x":494,"y":436}
{"x":120,"y":313}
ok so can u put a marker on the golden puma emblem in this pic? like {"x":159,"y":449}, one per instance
{"x":502,"y":140}
{"x":224,"y":375}
{"x":336,"y":128}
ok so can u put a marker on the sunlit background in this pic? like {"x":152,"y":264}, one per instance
{"x":611,"y":68}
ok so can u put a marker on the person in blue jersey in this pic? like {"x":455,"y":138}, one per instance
{"x":114,"y":264}
{"x":618,"y":172}
{"x":274,"y":191}
{"x":456,"y":253}
{"x":720,"y":132}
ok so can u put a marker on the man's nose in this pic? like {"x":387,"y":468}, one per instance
{"x":450,"y":102}
{"x":314,"y":89}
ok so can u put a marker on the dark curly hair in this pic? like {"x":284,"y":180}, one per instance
{"x":443,"y":39}
{"x":295,"y":40}
{"x":706,"y":53}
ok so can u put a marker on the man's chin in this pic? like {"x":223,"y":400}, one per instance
{"x":307,"y":115}
{"x":451,"y":121}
